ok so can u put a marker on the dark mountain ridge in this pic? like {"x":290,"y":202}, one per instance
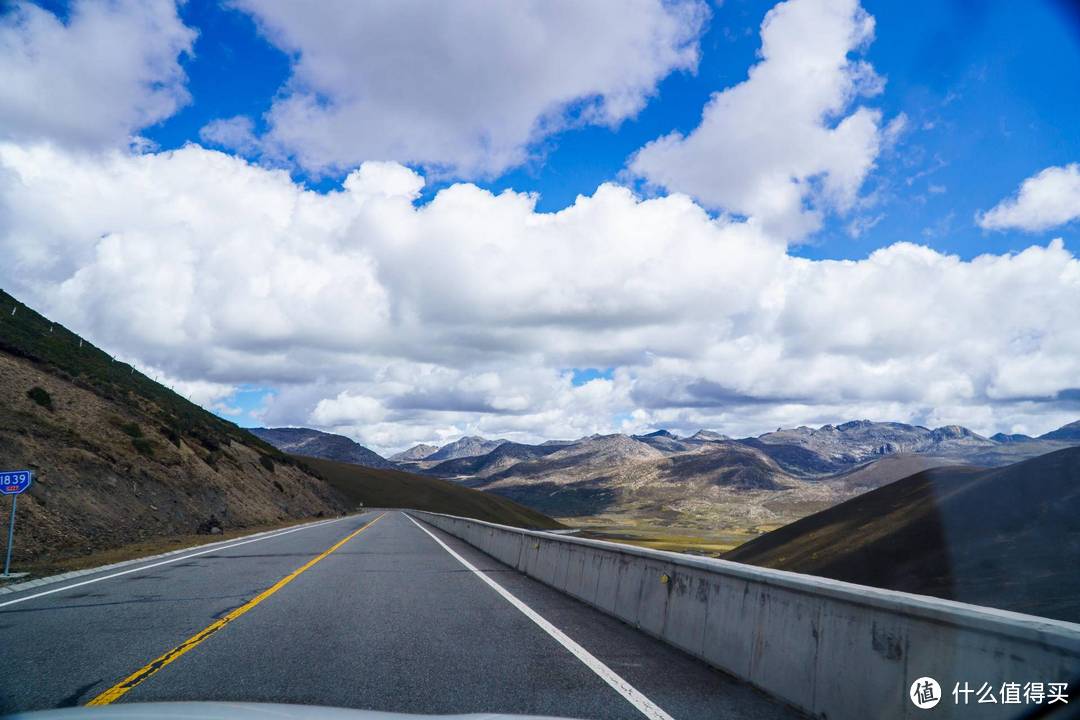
{"x":1070,"y":433}
{"x":314,"y":443}
{"x":1005,"y":537}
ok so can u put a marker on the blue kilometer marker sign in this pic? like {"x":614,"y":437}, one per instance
{"x":13,"y":482}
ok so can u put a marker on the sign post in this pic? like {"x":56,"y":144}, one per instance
{"x":13,"y":483}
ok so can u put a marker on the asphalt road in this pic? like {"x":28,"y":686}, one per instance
{"x":389,"y":620}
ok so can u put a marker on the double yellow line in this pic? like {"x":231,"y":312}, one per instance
{"x":142,"y":674}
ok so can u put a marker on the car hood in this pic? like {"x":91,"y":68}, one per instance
{"x":240,"y":711}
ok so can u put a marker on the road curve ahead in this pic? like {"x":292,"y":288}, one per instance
{"x":374,"y":611}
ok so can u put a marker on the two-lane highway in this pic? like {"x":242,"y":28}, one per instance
{"x":374,"y":611}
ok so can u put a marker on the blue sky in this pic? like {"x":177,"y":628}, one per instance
{"x":244,"y":404}
{"x":989,"y":90}
{"x":411,"y":221}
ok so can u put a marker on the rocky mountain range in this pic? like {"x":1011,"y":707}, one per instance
{"x":707,"y":480}
{"x":703,"y":480}
{"x":862,"y":440}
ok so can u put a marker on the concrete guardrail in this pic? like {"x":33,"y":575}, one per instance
{"x":831,"y":649}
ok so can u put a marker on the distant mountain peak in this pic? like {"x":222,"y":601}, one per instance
{"x":1065,"y":432}
{"x":319,"y":444}
{"x":415,"y":453}
{"x":708,"y":435}
{"x":659,"y":433}
{"x":861,"y":440}
{"x":853,"y":424}
{"x":468,"y":446}
{"x":954,"y":432}
{"x":1011,"y":438}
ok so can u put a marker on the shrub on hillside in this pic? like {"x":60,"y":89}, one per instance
{"x":41,"y":397}
{"x":143,"y":446}
{"x":171,"y":435}
{"x":212,"y":459}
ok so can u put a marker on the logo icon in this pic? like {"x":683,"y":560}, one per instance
{"x":925,"y":693}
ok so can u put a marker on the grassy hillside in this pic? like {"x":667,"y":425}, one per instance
{"x":397,"y":489}
{"x":1005,"y":537}
{"x":122,"y":460}
{"x":60,"y":352}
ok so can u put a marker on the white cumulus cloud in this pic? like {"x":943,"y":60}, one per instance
{"x":785,"y":144}
{"x":398,"y":323}
{"x":463,"y":87}
{"x":95,"y":78}
{"x":1045,"y":200}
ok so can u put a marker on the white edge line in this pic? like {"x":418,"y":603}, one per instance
{"x":647,"y":707}
{"x":140,"y":568}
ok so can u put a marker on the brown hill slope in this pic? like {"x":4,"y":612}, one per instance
{"x":1006,"y":537}
{"x":885,"y":470}
{"x":119,"y":458}
{"x":398,"y":489}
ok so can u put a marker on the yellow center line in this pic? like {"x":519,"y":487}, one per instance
{"x":116,"y":691}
